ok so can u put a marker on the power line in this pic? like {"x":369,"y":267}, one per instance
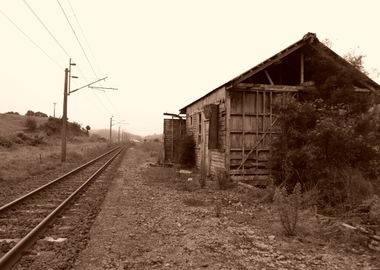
{"x":76,"y":36}
{"x":81,"y":30}
{"x":83,"y":50}
{"x":31,"y":40}
{"x":89,"y":47}
{"x":46,"y":28}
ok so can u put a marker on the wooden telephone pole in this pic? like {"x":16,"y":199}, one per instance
{"x":111,"y":130}
{"x":64,"y":118}
{"x":67,"y":91}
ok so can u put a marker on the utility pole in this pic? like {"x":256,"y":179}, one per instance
{"x":111,"y":129}
{"x":67,"y":91}
{"x":54,"y":109}
{"x":64,"y":118}
{"x":118,"y":136}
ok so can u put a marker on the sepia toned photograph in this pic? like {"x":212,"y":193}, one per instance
{"x":189,"y":135}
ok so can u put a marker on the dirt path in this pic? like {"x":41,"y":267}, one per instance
{"x":150,"y":221}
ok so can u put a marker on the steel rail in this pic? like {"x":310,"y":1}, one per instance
{"x":6,"y":206}
{"x":13,"y":255}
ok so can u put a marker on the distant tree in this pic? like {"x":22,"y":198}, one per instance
{"x":88,"y":128}
{"x":16,"y":113}
{"x":40,"y":114}
{"x":29,"y":113}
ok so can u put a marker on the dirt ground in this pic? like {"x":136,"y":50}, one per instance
{"x":153,"y":219}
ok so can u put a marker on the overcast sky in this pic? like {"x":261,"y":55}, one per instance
{"x":161,"y":55}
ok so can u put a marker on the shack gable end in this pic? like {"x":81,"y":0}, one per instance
{"x":246,"y":123}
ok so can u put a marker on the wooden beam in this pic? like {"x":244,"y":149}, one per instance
{"x":257,"y":144}
{"x":268,"y":87}
{"x":260,"y":180}
{"x":361,"y":90}
{"x":257,"y":130}
{"x":268,"y":77}
{"x":302,"y":64}
{"x":270,"y":121}
{"x":227,"y":131}
{"x":243,"y":134}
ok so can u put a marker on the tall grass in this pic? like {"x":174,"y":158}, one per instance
{"x":23,"y":162}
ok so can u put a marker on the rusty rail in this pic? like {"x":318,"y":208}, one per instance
{"x":13,"y":255}
{"x":6,"y":206}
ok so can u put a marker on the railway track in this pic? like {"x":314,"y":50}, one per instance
{"x":24,"y":220}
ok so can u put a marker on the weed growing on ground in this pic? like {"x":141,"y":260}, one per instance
{"x":287,"y":207}
{"x":218,"y":208}
{"x":223,"y":180}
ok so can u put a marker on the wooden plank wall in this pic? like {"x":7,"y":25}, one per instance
{"x":251,"y":132}
{"x":174,"y":130}
{"x":217,"y":156}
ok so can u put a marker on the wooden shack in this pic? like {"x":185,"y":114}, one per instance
{"x":234,"y":124}
{"x":174,"y":130}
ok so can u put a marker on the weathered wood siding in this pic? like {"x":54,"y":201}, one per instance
{"x":196,"y":121}
{"x":174,"y":130}
{"x":252,"y":127}
{"x":217,"y":161}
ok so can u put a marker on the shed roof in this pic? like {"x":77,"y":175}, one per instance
{"x":309,"y":38}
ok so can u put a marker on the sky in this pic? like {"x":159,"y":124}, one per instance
{"x":160,"y":54}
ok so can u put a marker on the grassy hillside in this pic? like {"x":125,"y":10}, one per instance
{"x":19,"y":130}
{"x":12,"y":123}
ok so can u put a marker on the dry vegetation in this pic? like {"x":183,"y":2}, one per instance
{"x":30,"y":151}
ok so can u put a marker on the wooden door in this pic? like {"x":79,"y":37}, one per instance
{"x":252,"y":127}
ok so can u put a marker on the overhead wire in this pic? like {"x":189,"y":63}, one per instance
{"x":46,"y":28}
{"x":91,"y":52}
{"x":76,"y":36}
{"x":31,"y":40}
{"x":85,"y":54}
{"x":81,"y":29}
{"x":83,"y":50}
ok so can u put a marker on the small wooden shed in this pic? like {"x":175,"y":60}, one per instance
{"x":174,"y":131}
{"x":234,"y":124}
